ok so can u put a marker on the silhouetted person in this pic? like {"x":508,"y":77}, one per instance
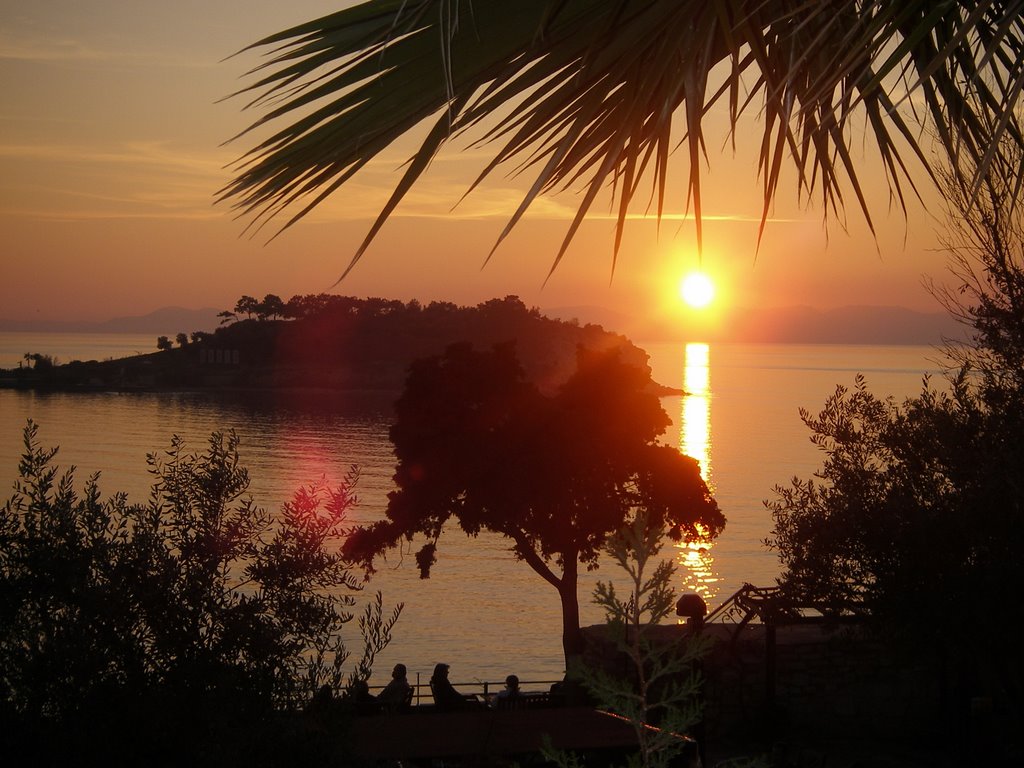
{"x":397,"y":694}
{"x":445,"y":696}
{"x":362,"y":700}
{"x":508,"y":697}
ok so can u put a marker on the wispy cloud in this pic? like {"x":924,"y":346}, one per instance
{"x":668,"y":216}
{"x":52,"y":50}
{"x":152,"y":155}
{"x":133,"y":180}
{"x":71,"y":215}
{"x":67,"y":50}
{"x":157,"y":179}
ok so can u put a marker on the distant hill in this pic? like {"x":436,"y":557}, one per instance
{"x":786,"y":325}
{"x":793,"y":325}
{"x":846,"y":325}
{"x":331,"y":342}
{"x":163,"y":321}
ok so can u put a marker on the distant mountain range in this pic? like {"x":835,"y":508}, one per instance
{"x":165,"y":321}
{"x":786,"y":325}
{"x":802,"y":325}
{"x":847,"y":325}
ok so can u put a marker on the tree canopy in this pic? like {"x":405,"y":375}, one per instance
{"x":917,"y":508}
{"x":556,"y":474}
{"x":583,"y":94}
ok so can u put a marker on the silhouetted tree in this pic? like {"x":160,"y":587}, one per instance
{"x":227,"y":316}
{"x":247,"y":305}
{"x":40,"y":362}
{"x":182,"y":339}
{"x":163,"y":343}
{"x":917,"y":508}
{"x":294,"y":309}
{"x":659,"y":684}
{"x":897,"y":479}
{"x":271,"y":307}
{"x":556,"y":475}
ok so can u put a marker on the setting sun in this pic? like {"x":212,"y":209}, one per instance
{"x":697,"y":290}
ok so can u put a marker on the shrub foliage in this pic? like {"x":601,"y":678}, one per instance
{"x":189,"y":615}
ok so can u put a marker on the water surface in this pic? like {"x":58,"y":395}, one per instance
{"x":481,"y":611}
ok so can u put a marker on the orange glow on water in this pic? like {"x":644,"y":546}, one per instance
{"x":696,"y":562}
{"x":695,"y":558}
{"x":696,"y":406}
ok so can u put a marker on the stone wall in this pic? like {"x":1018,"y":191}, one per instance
{"x":832,"y":683}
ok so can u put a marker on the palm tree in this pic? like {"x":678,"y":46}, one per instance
{"x":582,"y":94}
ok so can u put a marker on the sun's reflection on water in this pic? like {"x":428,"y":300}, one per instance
{"x":696,"y":559}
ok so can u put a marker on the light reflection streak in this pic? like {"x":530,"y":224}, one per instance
{"x":696,"y":558}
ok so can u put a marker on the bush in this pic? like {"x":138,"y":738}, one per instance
{"x":168,"y":626}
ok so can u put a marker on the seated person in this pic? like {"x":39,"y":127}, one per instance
{"x":397,"y":694}
{"x":445,"y":695}
{"x":509,"y":697}
{"x":361,"y":699}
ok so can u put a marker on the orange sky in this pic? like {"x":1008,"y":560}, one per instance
{"x":110,"y":157}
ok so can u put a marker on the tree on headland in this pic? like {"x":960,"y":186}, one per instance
{"x":182,"y":339}
{"x":271,"y":307}
{"x":556,"y":474}
{"x":586,"y":94}
{"x":39,"y":362}
{"x":247,"y":306}
{"x":163,"y":343}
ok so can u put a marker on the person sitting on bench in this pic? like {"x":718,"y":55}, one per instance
{"x":445,"y":695}
{"x":397,"y":694}
{"x":509,"y":697}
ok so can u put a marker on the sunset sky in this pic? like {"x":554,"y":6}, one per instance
{"x":111,"y":153}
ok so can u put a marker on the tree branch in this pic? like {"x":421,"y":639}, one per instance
{"x":529,"y":555}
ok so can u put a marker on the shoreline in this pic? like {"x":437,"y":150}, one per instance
{"x":9,"y":381}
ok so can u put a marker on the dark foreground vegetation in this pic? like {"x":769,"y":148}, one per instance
{"x":181,"y":631}
{"x":916,"y":517}
{"x":332,"y":342}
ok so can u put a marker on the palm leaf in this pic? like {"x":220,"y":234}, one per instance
{"x":582,"y":94}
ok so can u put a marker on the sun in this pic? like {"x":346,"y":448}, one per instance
{"x":697,"y":290}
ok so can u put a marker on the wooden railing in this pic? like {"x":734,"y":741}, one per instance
{"x":535,"y":693}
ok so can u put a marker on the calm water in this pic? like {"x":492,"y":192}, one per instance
{"x":481,"y":611}
{"x":65,"y":347}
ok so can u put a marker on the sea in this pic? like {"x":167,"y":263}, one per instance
{"x":481,"y":611}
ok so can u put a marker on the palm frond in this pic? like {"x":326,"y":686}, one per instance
{"x":583,"y":94}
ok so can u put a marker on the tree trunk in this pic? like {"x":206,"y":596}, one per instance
{"x":572,"y":635}
{"x":567,"y":586}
